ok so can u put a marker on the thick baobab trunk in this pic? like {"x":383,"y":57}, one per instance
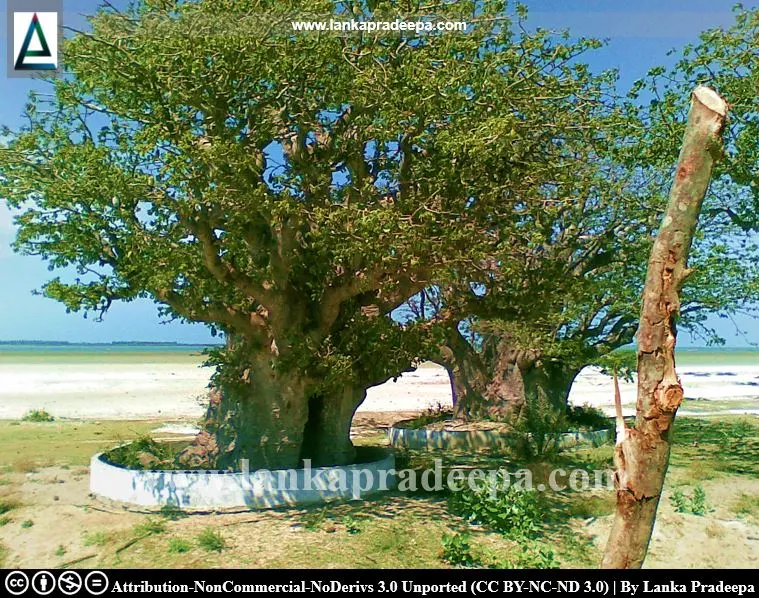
{"x":326,"y":438}
{"x":262,"y":418}
{"x":498,"y":383}
{"x":274,"y":420}
{"x":642,"y":454}
{"x":549,"y":383}
{"x":466,"y":371}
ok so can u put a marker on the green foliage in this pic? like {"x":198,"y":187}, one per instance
{"x":260,"y":184}
{"x":150,"y":527}
{"x":456,"y":551}
{"x":623,"y":362}
{"x":60,"y":551}
{"x":747,"y":506}
{"x":537,"y":556}
{"x":95,"y":538}
{"x":587,"y":418}
{"x":27,"y":523}
{"x":352,"y":525}
{"x":211,"y":540}
{"x":679,"y":501}
{"x":695,"y":503}
{"x":142,"y":453}
{"x":8,"y":504}
{"x":514,"y":512}
{"x":698,"y":504}
{"x":313,"y":519}
{"x":37,"y":415}
{"x":178,"y":546}
{"x":431,"y":415}
{"x":538,"y":428}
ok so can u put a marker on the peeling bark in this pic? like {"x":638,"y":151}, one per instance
{"x":642,"y":455}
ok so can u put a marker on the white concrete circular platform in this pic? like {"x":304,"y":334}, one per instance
{"x":475,"y":440}
{"x":260,"y":489}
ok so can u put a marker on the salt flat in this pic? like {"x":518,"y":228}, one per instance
{"x":151,"y":387}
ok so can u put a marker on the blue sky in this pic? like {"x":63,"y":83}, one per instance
{"x":640,"y":35}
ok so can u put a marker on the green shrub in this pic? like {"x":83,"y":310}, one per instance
{"x":179,"y":546}
{"x":60,"y":551}
{"x":533,"y":557}
{"x":679,"y":501}
{"x":352,"y":525}
{"x":8,"y":504}
{"x":37,"y":415}
{"x":456,"y":551}
{"x":695,"y":504}
{"x":585,"y":417}
{"x":143,"y":453}
{"x":211,"y":540}
{"x":95,"y":539}
{"x":698,"y":504}
{"x":514,"y":512}
{"x":431,"y":415}
{"x":150,"y":527}
{"x":27,"y":523}
{"x":538,"y":428}
{"x":313,"y":520}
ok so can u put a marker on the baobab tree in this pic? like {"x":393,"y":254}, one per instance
{"x":290,"y":189}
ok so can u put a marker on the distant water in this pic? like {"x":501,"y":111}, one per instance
{"x":89,"y":348}
{"x":684,"y":356}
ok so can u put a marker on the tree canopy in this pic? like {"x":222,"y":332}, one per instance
{"x":291,"y":189}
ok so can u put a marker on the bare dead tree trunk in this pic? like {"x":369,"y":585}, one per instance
{"x":642,"y":456}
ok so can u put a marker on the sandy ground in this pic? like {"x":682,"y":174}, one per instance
{"x":714,"y":541}
{"x":64,"y":513}
{"x":94,"y":390}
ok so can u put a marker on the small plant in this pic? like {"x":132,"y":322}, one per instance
{"x":679,"y":501}
{"x":585,"y":417}
{"x":179,"y":546}
{"x":150,"y":527}
{"x":431,"y":415}
{"x":504,"y":507}
{"x":698,"y":504}
{"x":746,"y":506}
{"x":533,"y":557}
{"x":7,"y":504}
{"x":37,"y":415}
{"x":695,"y":504}
{"x":27,"y":523}
{"x":4,"y":521}
{"x":60,"y":551}
{"x":313,"y":521}
{"x":352,"y":525}
{"x":211,"y":540}
{"x":95,"y":539}
{"x":538,"y":428}
{"x":456,"y":551}
{"x":143,"y":453}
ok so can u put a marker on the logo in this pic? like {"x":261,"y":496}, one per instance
{"x":43,"y":582}
{"x":69,"y":583}
{"x":96,"y":583}
{"x":35,"y":41}
{"x":16,"y":583}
